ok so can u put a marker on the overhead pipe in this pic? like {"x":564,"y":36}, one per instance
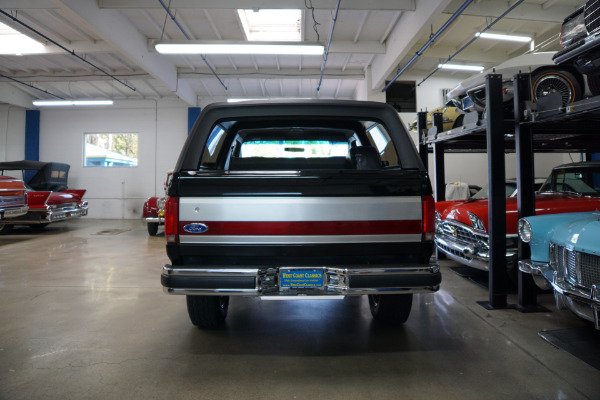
{"x":189,"y":38}
{"x":328,"y":44}
{"x":71,"y":52}
{"x":429,"y":42}
{"x":31,"y":86}
{"x":471,"y":41}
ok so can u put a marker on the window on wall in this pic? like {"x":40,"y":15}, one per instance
{"x":402,"y":95}
{"x":110,"y":150}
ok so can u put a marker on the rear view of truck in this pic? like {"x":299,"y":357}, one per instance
{"x":318,"y":199}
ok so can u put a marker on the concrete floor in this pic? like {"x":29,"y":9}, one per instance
{"x":83,"y":316}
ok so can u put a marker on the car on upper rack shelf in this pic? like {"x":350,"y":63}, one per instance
{"x":154,"y":210}
{"x":565,"y":257}
{"x":462,"y":226}
{"x":48,"y":197}
{"x":452,"y":117}
{"x":580,"y":39}
{"x":546,"y":78}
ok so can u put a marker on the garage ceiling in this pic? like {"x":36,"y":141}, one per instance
{"x":371,"y":40}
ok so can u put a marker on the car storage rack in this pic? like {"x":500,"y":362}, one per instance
{"x":544,"y":126}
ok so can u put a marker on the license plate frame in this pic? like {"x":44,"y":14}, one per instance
{"x":297,"y":278}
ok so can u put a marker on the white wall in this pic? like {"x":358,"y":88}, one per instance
{"x":12,"y":133}
{"x":116,"y":192}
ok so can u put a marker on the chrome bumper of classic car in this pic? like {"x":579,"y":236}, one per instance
{"x":13,"y":212}
{"x":51,"y":215}
{"x":312,"y":281}
{"x":461,"y":243}
{"x":160,"y":220}
{"x":567,"y":295}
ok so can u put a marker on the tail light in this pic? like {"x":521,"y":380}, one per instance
{"x":172,"y":219}
{"x":428,"y":218}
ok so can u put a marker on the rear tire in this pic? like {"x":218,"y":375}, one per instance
{"x":391,"y":309}
{"x":207,"y":312}
{"x":5,"y":228}
{"x":551,"y":81}
{"x":152,"y":228}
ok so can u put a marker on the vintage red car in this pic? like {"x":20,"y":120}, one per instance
{"x":13,"y":200}
{"x":154,"y":210}
{"x":48,"y":197}
{"x":462,"y":226}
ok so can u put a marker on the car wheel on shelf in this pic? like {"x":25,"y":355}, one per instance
{"x":552,"y":81}
{"x":594,"y":84}
{"x":152,"y":228}
{"x":207,"y":311}
{"x":458,"y":121}
{"x":391,"y":309}
{"x":5,"y":228}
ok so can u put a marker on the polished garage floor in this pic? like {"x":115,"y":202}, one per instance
{"x":83,"y":316}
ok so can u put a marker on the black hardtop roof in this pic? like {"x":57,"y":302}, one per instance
{"x":303,"y":111}
{"x":31,"y":165}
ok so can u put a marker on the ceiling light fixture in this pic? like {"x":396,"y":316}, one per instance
{"x":497,"y":36}
{"x":65,"y":103}
{"x":197,"y":47}
{"x":459,"y":67}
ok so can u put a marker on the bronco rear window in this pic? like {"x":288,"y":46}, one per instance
{"x":255,"y":145}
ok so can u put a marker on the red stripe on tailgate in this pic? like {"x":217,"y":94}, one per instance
{"x":300,"y":228}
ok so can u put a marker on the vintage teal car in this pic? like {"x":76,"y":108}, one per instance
{"x":565,"y":256}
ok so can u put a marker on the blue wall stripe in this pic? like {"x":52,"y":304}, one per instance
{"x":32,"y":135}
{"x":193,"y":114}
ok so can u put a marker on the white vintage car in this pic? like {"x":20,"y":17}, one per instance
{"x":546,"y":78}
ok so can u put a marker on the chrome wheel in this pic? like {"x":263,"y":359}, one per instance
{"x":561,"y":82}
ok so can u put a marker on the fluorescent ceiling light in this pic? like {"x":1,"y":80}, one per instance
{"x":64,"y":103}
{"x":195,"y":47}
{"x":459,"y":67}
{"x":13,"y":42}
{"x":497,"y":36}
{"x":272,"y":25}
{"x":234,"y":100}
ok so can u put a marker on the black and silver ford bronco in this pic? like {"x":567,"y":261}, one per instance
{"x":312,"y":199}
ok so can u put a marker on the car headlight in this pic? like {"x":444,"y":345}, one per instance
{"x":160,"y":203}
{"x":572,"y":30}
{"x":525,"y":232}
{"x":476,"y":222}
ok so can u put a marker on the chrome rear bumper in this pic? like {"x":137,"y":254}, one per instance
{"x":46,"y":216}
{"x":265,"y":281}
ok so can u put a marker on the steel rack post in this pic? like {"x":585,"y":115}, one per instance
{"x":498,"y":287}
{"x":439,"y":170}
{"x":525,"y":187}
{"x":422,"y":132}
{"x":438,"y":161}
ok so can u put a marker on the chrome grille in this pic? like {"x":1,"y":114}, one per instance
{"x":590,"y":270}
{"x":460,"y":233}
{"x":579,"y":268}
{"x":592,"y":15}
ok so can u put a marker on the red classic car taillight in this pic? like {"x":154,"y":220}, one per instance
{"x":172,"y":219}
{"x":428,"y":217}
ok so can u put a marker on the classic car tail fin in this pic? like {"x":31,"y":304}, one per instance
{"x":76,"y":192}
{"x":38,"y":199}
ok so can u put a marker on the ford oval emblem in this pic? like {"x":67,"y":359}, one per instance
{"x":195,"y":228}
